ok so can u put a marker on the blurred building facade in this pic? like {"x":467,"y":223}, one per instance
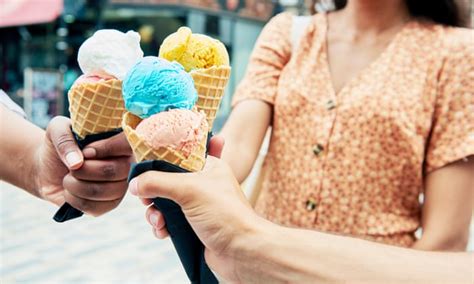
{"x":33,"y":53}
{"x":39,"y":40}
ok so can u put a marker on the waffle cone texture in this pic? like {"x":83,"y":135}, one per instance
{"x":210,"y":84}
{"x":144,"y":152}
{"x":96,"y":107}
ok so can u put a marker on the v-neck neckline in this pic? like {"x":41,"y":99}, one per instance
{"x":362,"y":72}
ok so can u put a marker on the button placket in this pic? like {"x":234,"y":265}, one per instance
{"x":313,"y":203}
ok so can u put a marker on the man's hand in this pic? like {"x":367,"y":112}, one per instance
{"x":213,"y":203}
{"x":93,"y":181}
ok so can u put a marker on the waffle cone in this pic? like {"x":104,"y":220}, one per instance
{"x":96,"y":107}
{"x":144,"y":152}
{"x":210,"y":84}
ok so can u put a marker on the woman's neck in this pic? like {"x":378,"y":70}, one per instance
{"x":364,"y":16}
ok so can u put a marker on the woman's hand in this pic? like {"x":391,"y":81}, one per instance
{"x":220,"y":219}
{"x":93,"y":181}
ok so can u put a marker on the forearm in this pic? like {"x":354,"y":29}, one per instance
{"x":20,"y":141}
{"x":244,"y":133}
{"x":299,"y":256}
{"x":238,"y":157}
{"x":447,"y":210}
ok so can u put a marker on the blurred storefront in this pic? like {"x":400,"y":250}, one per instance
{"x":45,"y":44}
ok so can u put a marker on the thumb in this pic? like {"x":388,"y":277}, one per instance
{"x":178,"y":187}
{"x":60,"y":135}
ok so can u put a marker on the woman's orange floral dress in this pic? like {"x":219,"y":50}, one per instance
{"x":353,"y":162}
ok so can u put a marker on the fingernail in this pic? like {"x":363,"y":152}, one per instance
{"x":153,"y":220}
{"x":133,"y":187}
{"x":89,"y":153}
{"x":73,"y":159}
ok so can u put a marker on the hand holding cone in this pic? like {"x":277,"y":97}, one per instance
{"x":95,"y":99}
{"x":150,"y":87}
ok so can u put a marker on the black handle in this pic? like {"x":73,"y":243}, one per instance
{"x":188,"y":246}
{"x":67,"y":212}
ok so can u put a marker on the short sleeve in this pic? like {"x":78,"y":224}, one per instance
{"x":9,"y":104}
{"x":452,"y":133}
{"x":270,"y":55}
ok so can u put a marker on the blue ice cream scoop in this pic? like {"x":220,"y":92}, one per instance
{"x":154,"y":85}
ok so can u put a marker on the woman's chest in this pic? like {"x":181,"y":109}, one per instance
{"x":396,"y":91}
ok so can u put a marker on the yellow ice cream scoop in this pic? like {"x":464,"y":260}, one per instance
{"x":194,"y":51}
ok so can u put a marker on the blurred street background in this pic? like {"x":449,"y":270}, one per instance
{"x":118,"y":247}
{"x":39,"y":40}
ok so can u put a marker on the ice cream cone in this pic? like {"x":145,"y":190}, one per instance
{"x":143,"y":152}
{"x":96,"y":107}
{"x":210,"y":84}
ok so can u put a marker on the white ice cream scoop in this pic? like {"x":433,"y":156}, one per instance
{"x":109,"y":53}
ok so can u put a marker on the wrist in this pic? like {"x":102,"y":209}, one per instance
{"x":248,"y":249}
{"x":31,"y":173}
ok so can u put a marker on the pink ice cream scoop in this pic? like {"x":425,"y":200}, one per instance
{"x":91,"y":78}
{"x":179,"y":129}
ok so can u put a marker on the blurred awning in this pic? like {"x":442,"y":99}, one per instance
{"x":260,"y":10}
{"x":27,"y":12}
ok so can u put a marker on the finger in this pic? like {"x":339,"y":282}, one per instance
{"x":103,"y":170}
{"x":175,"y":186}
{"x":60,"y":135}
{"x":146,"y":201}
{"x":95,"y":191}
{"x":155,"y":218}
{"x":114,"y":146}
{"x":160,"y":234}
{"x":216,"y":145}
{"x":94,"y":208}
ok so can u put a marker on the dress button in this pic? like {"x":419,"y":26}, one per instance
{"x":310,"y":205}
{"x":330,"y":105}
{"x":318,"y":149}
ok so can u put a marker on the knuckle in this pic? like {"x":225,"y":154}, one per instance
{"x":81,"y":204}
{"x":104,"y":148}
{"x":63,"y":141}
{"x":109,"y":206}
{"x":94,"y":190}
{"x":122,"y":188}
{"x":109,"y":170}
{"x":116,"y":203}
{"x":144,"y":184}
{"x":85,"y":205}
